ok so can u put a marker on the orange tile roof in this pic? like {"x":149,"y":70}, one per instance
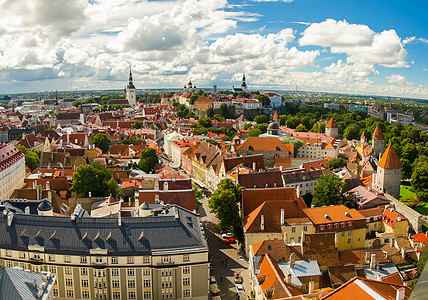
{"x":377,"y":134}
{"x":390,"y":159}
{"x":275,"y":115}
{"x":263,"y":144}
{"x":394,"y":278}
{"x":364,"y":135}
{"x":391,"y":217}
{"x":334,"y":214}
{"x":331,"y":124}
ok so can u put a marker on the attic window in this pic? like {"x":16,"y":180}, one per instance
{"x":269,"y":247}
{"x":24,"y":233}
{"x":110,"y":237}
{"x":54,"y":236}
{"x":86,"y":237}
{"x":98,"y":237}
{"x":322,"y":228}
{"x":39,"y":235}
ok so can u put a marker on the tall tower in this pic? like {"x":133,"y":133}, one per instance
{"x":388,"y":174}
{"x":363,"y":138}
{"x":331,"y":129}
{"x":378,"y":141}
{"x":243,"y":84}
{"x":130,"y":91}
{"x":276,"y":118}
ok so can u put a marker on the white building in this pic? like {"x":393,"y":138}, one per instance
{"x":130,"y":91}
{"x":12,"y":170}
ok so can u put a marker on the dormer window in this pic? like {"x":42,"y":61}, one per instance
{"x":250,"y":148}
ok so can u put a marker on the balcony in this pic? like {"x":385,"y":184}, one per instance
{"x":99,"y":263}
{"x":36,"y":260}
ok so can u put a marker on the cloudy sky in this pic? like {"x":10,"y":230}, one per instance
{"x":353,"y":46}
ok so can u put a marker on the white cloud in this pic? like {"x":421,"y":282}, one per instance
{"x":286,"y":1}
{"x":359,"y":42}
{"x":351,"y":71}
{"x":396,"y":79}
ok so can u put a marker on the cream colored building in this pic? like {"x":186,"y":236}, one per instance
{"x":154,"y":257}
{"x":12,"y":170}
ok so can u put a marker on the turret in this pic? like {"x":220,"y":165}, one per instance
{"x":388,"y":174}
{"x":276,"y":118}
{"x":130,"y":90}
{"x":331,"y":129}
{"x":363,"y":138}
{"x":378,"y":141}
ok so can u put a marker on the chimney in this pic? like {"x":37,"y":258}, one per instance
{"x":285,"y":238}
{"x":372,"y":261}
{"x":262,"y":222}
{"x":400,"y":293}
{"x":289,"y":278}
{"x":367,"y":257}
{"x":282,"y":216}
{"x":39,"y":192}
{"x":119,"y":219}
{"x":298,"y":191}
{"x":392,"y":243}
{"x":403,"y":253}
{"x":336,"y":240}
{"x":254,"y":166}
{"x":48,"y":186}
{"x":292,"y":259}
{"x":90,"y":194}
{"x":280,"y":168}
{"x":165,"y":186}
{"x":27,"y":210}
{"x":311,"y":287}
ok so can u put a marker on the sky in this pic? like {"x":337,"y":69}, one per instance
{"x":353,"y":46}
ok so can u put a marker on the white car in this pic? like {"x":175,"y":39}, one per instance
{"x":239,"y":288}
{"x":227,"y":235}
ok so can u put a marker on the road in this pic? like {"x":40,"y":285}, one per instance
{"x":225,"y":258}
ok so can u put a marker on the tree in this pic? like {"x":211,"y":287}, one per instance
{"x":352,"y":132}
{"x":296,"y":142}
{"x":205,"y":122}
{"x":301,"y":128}
{"x":198,"y":196}
{"x":262,"y":127}
{"x":328,"y":190}
{"x":92,"y":178}
{"x":409,"y":152}
{"x":32,"y":157}
{"x":224,"y":204}
{"x":261,"y":119}
{"x":420,"y":180}
{"x":148,"y":159}
{"x":210,"y":112}
{"x":336,"y":163}
{"x":193,"y":98}
{"x":218,"y":117}
{"x":253,"y":132}
{"x":137,"y":124}
{"x":247,"y":126}
{"x":224,"y":110}
{"x":264,"y":99}
{"x":101,"y":141}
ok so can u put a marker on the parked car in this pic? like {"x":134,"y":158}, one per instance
{"x":227,"y":235}
{"x":229,"y":240}
{"x":237,"y":277}
{"x":239,"y":288}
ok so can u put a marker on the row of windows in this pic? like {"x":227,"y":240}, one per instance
{"x":336,"y":226}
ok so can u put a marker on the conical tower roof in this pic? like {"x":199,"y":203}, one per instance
{"x":331,"y":124}
{"x":390,"y":159}
{"x":275,"y":115}
{"x":364,"y":135}
{"x":378,"y":134}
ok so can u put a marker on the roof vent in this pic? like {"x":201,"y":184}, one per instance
{"x":73,"y":217}
{"x":347,"y":214}
{"x":326,"y":216}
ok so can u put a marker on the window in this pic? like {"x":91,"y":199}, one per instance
{"x":343,"y":225}
{"x":68,"y":271}
{"x":83,"y":260}
{"x":131,"y":283}
{"x":293,"y":229}
{"x":130,"y":260}
{"x":85,"y":294}
{"x":300,"y":239}
{"x":329,"y":226}
{"x":131,"y":272}
{"x":83,"y":271}
{"x":116,"y":295}
{"x":8,"y":253}
{"x":85,"y":283}
{"x":349,"y":224}
{"x":131,"y":295}
{"x":9,"y":264}
{"x":114,"y":260}
{"x":115,"y":272}
{"x":70,"y":294}
{"x":146,"y":271}
{"x":166,"y":259}
{"x":375,"y":225}
{"x":147,"y":295}
{"x":343,"y":234}
{"x":115,"y":283}
{"x":349,"y":241}
{"x":186,"y":270}
{"x":55,"y":292}
{"x":186,"y":257}
{"x":146,"y":259}
{"x":69,"y":282}
{"x":305,"y":228}
{"x":51,"y":257}
{"x":67,"y":259}
{"x":336,"y":226}
{"x":349,"y":233}
{"x":186,"y":293}
{"x":147,"y":283}
{"x":321,"y":227}
{"x":21,"y":254}
{"x":52,"y":269}
{"x":98,"y":260}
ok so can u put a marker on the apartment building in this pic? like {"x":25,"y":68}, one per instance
{"x":12,"y":170}
{"x":161,"y":256}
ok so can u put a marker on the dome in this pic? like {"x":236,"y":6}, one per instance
{"x":44,"y":205}
{"x":273,"y":126}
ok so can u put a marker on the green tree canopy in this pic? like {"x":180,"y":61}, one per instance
{"x":264,"y":99}
{"x":352,"y":132}
{"x":261,"y":119}
{"x":193,"y":98}
{"x":262,"y":127}
{"x":93,"y":178}
{"x":205,"y":122}
{"x":210,"y":112}
{"x":336,"y":163}
{"x":301,"y":128}
{"x":224,"y":110}
{"x":101,"y":141}
{"x":218,"y":117}
{"x":328,"y":191}
{"x":253,"y":132}
{"x":137,"y":124}
{"x":420,"y":180}
{"x":295,"y":141}
{"x":32,"y":157}
{"x":148,"y":159}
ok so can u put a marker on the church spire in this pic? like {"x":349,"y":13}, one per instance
{"x":243,"y":80}
{"x":130,"y":84}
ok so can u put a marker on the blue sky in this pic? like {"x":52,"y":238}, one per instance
{"x":362,"y":47}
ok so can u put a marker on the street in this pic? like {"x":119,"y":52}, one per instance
{"x":225,"y":258}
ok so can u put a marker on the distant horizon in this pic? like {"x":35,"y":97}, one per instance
{"x":355,"y":47}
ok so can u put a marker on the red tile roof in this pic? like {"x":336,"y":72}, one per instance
{"x":331,"y":124}
{"x":390,"y":159}
{"x":377,"y":134}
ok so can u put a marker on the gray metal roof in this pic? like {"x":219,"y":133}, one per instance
{"x":179,"y":229}
{"x":301,"y":268}
{"x":17,"y":284}
{"x":383,"y":270}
